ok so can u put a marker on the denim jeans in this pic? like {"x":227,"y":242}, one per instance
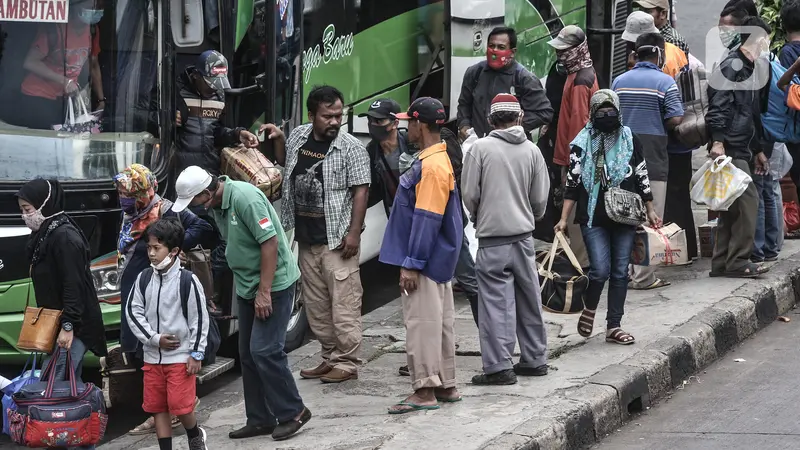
{"x":77,"y":352}
{"x":270,"y":392}
{"x":609,"y":253}
{"x":765,"y":244}
{"x":776,"y":187}
{"x":465,"y":275}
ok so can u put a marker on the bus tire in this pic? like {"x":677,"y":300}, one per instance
{"x":298,"y":323}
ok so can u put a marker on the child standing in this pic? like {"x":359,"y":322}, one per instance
{"x":173,"y":331}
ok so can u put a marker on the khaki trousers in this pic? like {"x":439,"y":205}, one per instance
{"x":332,"y":295}
{"x":645,"y":276}
{"x":429,"y":315}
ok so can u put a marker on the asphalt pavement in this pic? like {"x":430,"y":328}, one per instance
{"x":750,"y":404}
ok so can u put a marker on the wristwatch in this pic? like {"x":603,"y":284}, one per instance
{"x":66,"y":326}
{"x":198,"y":356}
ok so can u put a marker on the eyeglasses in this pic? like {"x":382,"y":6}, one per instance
{"x":609,"y":113}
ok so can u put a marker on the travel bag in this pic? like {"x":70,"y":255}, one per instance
{"x":562,"y":281}
{"x":25,"y":378}
{"x":250,"y":165}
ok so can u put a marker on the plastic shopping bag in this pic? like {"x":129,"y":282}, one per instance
{"x":78,"y":120}
{"x":25,"y":378}
{"x":718,"y":184}
{"x":466,"y":146}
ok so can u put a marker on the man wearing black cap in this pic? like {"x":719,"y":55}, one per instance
{"x":423,"y":238}
{"x":200,"y":107}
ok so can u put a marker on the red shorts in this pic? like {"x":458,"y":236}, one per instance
{"x":168,"y":388}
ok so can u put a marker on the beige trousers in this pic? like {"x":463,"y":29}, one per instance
{"x":332,"y":295}
{"x":644,"y":276}
{"x":429,"y":315}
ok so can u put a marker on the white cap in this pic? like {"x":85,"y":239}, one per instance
{"x":639,"y":23}
{"x":191,"y":182}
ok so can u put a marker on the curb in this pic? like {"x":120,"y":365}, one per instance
{"x":587,"y":414}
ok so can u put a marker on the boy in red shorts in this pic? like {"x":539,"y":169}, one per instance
{"x":173,"y":330}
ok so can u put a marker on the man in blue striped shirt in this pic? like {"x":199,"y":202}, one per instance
{"x":650,"y":104}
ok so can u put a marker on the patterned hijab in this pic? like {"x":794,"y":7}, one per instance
{"x":138,"y":182}
{"x":612,"y":151}
{"x":575,"y":58}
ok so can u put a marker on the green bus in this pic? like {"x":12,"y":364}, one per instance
{"x":277,"y":50}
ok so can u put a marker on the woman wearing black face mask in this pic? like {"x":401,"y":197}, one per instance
{"x":59,"y":257}
{"x":605,"y":154}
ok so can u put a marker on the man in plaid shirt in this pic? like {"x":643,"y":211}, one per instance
{"x":325,"y":195}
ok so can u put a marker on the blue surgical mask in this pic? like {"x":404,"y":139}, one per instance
{"x":128,"y":205}
{"x":91,"y":16}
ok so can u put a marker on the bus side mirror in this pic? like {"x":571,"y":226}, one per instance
{"x":186,"y":20}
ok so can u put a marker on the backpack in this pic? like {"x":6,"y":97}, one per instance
{"x":214,"y":338}
{"x":780,"y":122}
{"x":693,"y":86}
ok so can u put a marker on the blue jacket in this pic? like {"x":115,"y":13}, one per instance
{"x":425,"y":226}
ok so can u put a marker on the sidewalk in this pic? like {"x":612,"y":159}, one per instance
{"x":591,"y":389}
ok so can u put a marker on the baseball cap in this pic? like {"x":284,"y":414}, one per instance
{"x":191,"y":182}
{"x":568,"y":37}
{"x":505,"y":102}
{"x":214,"y":68}
{"x":638,"y":23}
{"x":649,"y":4}
{"x":426,"y":110}
{"x":383,"y":108}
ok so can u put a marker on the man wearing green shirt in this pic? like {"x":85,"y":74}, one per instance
{"x":265,"y":274}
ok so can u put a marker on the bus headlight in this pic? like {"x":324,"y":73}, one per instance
{"x":106,"y":279}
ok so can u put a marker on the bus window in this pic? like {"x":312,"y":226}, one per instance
{"x":98,"y":61}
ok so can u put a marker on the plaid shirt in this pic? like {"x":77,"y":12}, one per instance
{"x":346,"y":165}
{"x":672,"y":36}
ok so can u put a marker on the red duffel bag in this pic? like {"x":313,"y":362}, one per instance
{"x":791,"y":216}
{"x":58,"y":413}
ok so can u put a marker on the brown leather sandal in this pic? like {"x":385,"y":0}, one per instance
{"x":586,"y":323}
{"x":617,"y":336}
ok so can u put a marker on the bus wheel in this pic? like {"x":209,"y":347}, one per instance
{"x":298,"y":323}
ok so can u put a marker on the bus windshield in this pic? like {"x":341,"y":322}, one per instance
{"x":78,"y":89}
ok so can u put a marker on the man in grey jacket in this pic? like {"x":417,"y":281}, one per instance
{"x":505,"y":185}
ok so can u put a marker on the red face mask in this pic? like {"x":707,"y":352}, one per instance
{"x":498,"y":59}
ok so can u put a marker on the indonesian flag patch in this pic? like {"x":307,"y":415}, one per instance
{"x":265,"y":223}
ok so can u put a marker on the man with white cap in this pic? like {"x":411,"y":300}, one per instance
{"x":265,"y":274}
{"x":572,"y":50}
{"x":660,"y":10}
{"x":640,"y":23}
{"x":505,"y":189}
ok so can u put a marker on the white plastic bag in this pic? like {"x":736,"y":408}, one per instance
{"x":718,"y":184}
{"x":466,"y":146}
{"x":79,"y":119}
{"x":781,"y":161}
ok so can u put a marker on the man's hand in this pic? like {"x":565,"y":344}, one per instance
{"x":248,"y":139}
{"x":193,"y":366}
{"x":178,"y":120}
{"x":762,"y":164}
{"x":408,"y":280}
{"x":263,"y":304}
{"x":65,"y":339}
{"x":463,"y":132}
{"x":561,"y":226}
{"x":350,"y":245}
{"x":273,"y":131}
{"x":717,"y":150}
{"x":169,"y":342}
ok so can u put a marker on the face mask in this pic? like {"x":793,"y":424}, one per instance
{"x":91,"y":16}
{"x":378,"y":132}
{"x":34,"y":220}
{"x":498,"y":59}
{"x":163,"y":264}
{"x":730,"y":38}
{"x":606,"y":124}
{"x":128,"y":205}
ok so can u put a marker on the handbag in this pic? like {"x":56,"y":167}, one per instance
{"x":39,"y":328}
{"x":25,"y":378}
{"x":562,"y":289}
{"x":625,"y":207}
{"x":54,"y":413}
{"x":78,"y":119}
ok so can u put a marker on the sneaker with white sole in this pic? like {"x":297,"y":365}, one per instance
{"x":199,"y":442}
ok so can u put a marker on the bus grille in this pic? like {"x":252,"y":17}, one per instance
{"x":619,"y":56}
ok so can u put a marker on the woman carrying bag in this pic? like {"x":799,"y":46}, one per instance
{"x":608,"y":180}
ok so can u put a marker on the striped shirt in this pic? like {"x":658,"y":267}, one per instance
{"x":647,"y":98}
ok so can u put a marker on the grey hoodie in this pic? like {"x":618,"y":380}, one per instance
{"x":505,"y":185}
{"x":158,"y":311}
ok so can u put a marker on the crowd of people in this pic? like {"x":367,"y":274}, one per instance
{"x":593,"y":141}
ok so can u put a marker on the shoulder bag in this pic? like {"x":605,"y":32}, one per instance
{"x":40,"y":328}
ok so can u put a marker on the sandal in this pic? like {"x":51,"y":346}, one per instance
{"x":586,"y":322}
{"x":659,"y":283}
{"x":749,"y":271}
{"x":617,"y":336}
{"x":412,"y":407}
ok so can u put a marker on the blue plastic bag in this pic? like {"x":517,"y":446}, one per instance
{"x":25,"y":378}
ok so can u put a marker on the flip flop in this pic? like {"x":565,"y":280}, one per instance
{"x":659,"y":283}
{"x":414,"y":407}
{"x":450,"y":399}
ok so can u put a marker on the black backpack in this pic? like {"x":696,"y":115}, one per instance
{"x":214,"y":339}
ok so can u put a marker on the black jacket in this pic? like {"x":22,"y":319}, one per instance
{"x":734,"y":114}
{"x":62,"y":280}
{"x":482,"y":83}
{"x":201,"y":133}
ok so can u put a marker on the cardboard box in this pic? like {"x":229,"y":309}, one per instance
{"x":665,"y":246}
{"x":707,"y":232}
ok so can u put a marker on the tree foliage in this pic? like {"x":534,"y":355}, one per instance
{"x":770,"y":11}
